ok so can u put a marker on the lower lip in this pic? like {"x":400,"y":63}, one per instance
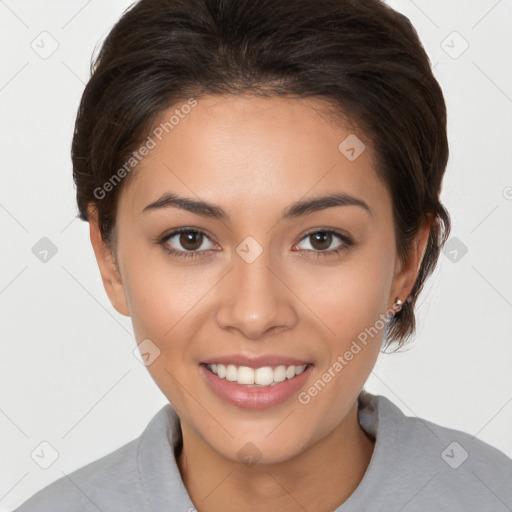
{"x":254,"y":398}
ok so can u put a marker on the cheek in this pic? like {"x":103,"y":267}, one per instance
{"x":164,"y":304}
{"x":164,"y":297}
{"x":351,"y":302}
{"x":157,"y":303}
{"x":350,"y":297}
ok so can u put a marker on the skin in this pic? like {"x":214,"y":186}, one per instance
{"x":254,"y":157}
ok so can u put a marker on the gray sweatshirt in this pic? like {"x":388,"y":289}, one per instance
{"x":416,"y":466}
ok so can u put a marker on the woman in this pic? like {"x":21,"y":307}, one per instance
{"x":262,"y":185}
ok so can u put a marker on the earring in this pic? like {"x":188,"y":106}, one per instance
{"x":397,"y":305}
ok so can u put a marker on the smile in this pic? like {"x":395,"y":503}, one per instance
{"x":256,"y":377}
{"x":257,"y":387}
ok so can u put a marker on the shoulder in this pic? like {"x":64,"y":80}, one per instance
{"x":112,"y":482}
{"x":456,"y":448}
{"x":83,"y":489}
{"x":435,"y":465}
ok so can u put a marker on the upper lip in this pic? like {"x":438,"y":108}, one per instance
{"x":256,"y":361}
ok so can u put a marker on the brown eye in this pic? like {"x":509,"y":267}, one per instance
{"x":191,"y":240}
{"x":187,"y":243}
{"x":321,"y":240}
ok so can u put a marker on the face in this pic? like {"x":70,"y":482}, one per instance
{"x":255,"y":280}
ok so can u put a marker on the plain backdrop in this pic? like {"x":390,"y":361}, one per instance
{"x":70,"y":384}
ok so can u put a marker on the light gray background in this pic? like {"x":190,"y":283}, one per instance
{"x":68,"y":375}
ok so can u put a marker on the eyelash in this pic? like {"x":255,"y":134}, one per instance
{"x":185,"y":255}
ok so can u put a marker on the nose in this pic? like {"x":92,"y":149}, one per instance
{"x":255,"y":299}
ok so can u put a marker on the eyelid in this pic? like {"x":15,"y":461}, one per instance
{"x":179,"y":254}
{"x":177,"y":231}
{"x":346,"y":240}
{"x":341,"y":234}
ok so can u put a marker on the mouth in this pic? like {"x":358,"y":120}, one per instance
{"x":255,"y":387}
{"x":264,"y":376}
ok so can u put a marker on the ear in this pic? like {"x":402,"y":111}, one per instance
{"x":109,"y":271}
{"x":406,"y":276}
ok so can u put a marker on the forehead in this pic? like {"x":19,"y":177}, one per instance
{"x":253,"y":152}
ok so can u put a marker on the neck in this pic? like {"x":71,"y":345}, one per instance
{"x":320,"y":478}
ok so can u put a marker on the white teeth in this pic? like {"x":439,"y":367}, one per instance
{"x":280,"y":373}
{"x":290,"y":372}
{"x":299,"y":369}
{"x":246,"y":375}
{"x":264,"y":376}
{"x":231,"y":372}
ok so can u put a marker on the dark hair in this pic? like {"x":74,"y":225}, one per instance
{"x":361,"y":56}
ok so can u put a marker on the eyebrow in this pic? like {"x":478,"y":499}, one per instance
{"x":297,"y":209}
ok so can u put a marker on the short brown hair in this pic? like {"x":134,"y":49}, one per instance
{"x":362,"y":56}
